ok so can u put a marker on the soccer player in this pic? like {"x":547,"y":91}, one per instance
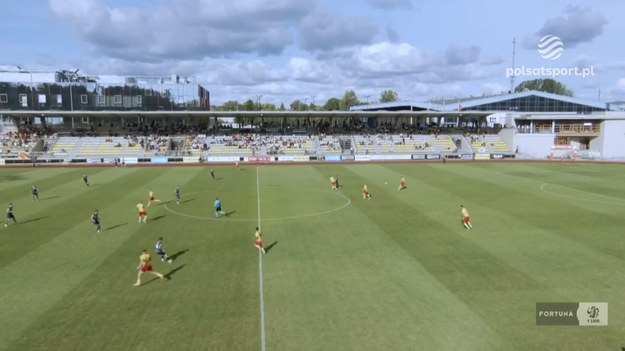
{"x":259,"y":241}
{"x":333,"y":183}
{"x":145,"y":266}
{"x":402,"y":184}
{"x":218,"y":210}
{"x":143,"y":216}
{"x":150,"y":197}
{"x":10,"y":215}
{"x":237,"y":165}
{"x":213,"y":173}
{"x":95,"y":219}
{"x":178,"y":194}
{"x":158,"y":248}
{"x":336,"y":179}
{"x":365,"y":193}
{"x":34,"y":191}
{"x":466,"y":220}
{"x":85,"y":179}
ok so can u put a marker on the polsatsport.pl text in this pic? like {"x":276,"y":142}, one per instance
{"x":551,"y":71}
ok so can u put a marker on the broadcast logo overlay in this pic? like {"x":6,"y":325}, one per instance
{"x":585,"y":314}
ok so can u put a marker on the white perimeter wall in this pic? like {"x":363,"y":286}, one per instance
{"x":537,"y":145}
{"x":611,"y":141}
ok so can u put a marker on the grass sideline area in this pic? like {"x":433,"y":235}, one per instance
{"x":397,"y":272}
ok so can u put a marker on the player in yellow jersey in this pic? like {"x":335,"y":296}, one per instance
{"x":466,"y":220}
{"x":146,"y":266}
{"x":151,"y":198}
{"x":333,"y":183}
{"x":402,"y":183}
{"x":143,"y":216}
{"x":365,"y":193}
{"x":259,"y":241}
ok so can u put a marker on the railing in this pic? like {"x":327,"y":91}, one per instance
{"x":577,"y":128}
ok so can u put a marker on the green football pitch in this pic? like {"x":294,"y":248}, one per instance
{"x":396,"y":272}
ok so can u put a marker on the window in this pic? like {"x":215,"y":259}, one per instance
{"x":139,"y":99}
{"x":101,"y":100}
{"x":117,"y":99}
{"x":4,"y":98}
{"x":148,"y":92}
{"x":83,"y":99}
{"x":23,"y":100}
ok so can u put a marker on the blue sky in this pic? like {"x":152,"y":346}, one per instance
{"x":300,"y":49}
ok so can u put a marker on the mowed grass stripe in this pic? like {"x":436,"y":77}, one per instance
{"x":206,"y":279}
{"x":320,"y":263}
{"x":60,"y":209}
{"x":555,"y":261}
{"x":556,"y":214}
{"x":55,"y":268}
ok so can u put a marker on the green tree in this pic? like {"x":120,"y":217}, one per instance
{"x":349,"y":99}
{"x":297,"y":105}
{"x":267,"y":106}
{"x":547,"y":85}
{"x":249,"y":105}
{"x":231,"y":105}
{"x":388,"y":95}
{"x":282,"y":108}
{"x":333,"y":104}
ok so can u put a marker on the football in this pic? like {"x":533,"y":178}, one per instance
{"x":170,"y":260}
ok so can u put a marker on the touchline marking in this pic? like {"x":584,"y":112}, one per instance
{"x":260,"y":270}
{"x":609,"y":200}
{"x":346,"y":204}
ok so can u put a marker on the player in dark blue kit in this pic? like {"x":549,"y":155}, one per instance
{"x":34,"y":191}
{"x":158,"y":248}
{"x":95,"y":219}
{"x":213,"y":174}
{"x":10,"y":215}
{"x":85,"y":179}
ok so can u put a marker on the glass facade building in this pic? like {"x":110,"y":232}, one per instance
{"x":71,"y":91}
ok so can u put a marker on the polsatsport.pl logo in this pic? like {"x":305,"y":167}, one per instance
{"x":550,"y":47}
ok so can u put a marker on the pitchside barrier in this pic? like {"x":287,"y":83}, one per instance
{"x":256,"y":159}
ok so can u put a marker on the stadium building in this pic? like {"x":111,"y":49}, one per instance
{"x":65,"y":116}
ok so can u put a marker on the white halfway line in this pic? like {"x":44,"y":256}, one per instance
{"x":260,"y":271}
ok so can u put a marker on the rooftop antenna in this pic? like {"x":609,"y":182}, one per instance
{"x":513,"y":63}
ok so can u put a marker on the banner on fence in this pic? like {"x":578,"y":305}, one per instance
{"x":418,"y":157}
{"x":497,"y":156}
{"x":482,"y":156}
{"x":363,"y":158}
{"x":333,"y":157}
{"x":258,"y":159}
{"x":433,"y":157}
{"x":159,"y":159}
{"x":190,"y":159}
{"x":467,"y":156}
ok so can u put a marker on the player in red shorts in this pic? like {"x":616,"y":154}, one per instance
{"x":333,"y":183}
{"x":259,"y":241}
{"x":466,"y":220}
{"x":365,"y":193}
{"x":402,"y":184}
{"x":143,"y":216}
{"x":146,"y":267}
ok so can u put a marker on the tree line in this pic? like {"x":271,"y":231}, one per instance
{"x":344,"y":103}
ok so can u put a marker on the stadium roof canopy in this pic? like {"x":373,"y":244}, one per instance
{"x":463,"y":104}
{"x":244,"y":114}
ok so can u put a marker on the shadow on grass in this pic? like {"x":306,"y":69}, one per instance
{"x":270,"y":246}
{"x":158,"y":217}
{"x":189,"y":200}
{"x":178,"y":254}
{"x":230,"y":213}
{"x":49,"y":197}
{"x":33,"y":220}
{"x":115,"y":226}
{"x":173,"y":271}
